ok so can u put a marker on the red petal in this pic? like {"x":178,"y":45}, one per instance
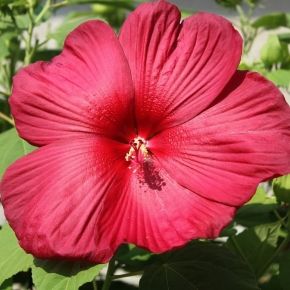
{"x":79,"y":200}
{"x":53,"y":197}
{"x":154,"y":212}
{"x":243,"y":139}
{"x":178,"y":68}
{"x":87,"y":88}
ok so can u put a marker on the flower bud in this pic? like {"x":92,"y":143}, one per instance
{"x":274,"y":51}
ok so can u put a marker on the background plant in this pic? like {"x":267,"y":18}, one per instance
{"x":252,"y":253}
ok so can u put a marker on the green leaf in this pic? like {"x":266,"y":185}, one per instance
{"x":5,"y":43}
{"x":7,"y":284}
{"x":13,"y":258}
{"x":253,"y":2}
{"x":259,"y":210}
{"x":23,"y":21}
{"x":45,"y":54}
{"x":112,"y":14}
{"x":60,"y":275}
{"x":11,"y":148}
{"x":261,"y":197}
{"x":133,"y":258}
{"x":280,"y":77}
{"x":12,"y":4}
{"x":284,"y":37}
{"x":273,"y":284}
{"x":202,"y":266}
{"x":256,"y":245}
{"x":228,"y":231}
{"x":115,"y":285}
{"x":256,"y":66}
{"x":284,"y":270}
{"x":272,"y":21}
{"x":256,"y":214}
{"x":281,"y":187}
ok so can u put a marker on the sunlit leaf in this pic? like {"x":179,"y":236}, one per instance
{"x":261,"y":196}
{"x":280,"y":77}
{"x":281,"y":187}
{"x":11,"y":148}
{"x":13,"y":258}
{"x":60,"y":275}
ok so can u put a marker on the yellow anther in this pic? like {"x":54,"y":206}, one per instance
{"x":137,"y":145}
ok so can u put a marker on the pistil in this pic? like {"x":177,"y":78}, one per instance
{"x":138,"y":151}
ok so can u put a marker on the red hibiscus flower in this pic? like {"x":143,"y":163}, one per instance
{"x":151,"y":137}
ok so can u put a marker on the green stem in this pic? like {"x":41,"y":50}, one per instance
{"x":281,"y":220}
{"x":272,"y":258}
{"x":6,"y":76}
{"x":251,"y":39}
{"x":58,"y":5}
{"x":95,"y":285}
{"x":7,"y":119}
{"x":5,"y":94}
{"x":28,"y":49}
{"x":242,"y":15}
{"x":109,"y":275}
{"x":45,"y":8}
{"x":281,"y":247}
{"x":249,"y":33}
{"x":39,"y":44}
{"x":127,"y":275}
